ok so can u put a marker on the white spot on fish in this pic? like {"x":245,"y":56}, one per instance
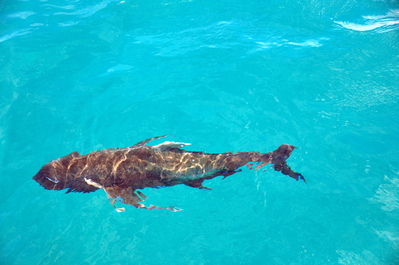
{"x":95,"y":184}
{"x":53,"y":180}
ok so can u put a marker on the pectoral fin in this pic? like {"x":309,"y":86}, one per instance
{"x":197,"y":183}
{"x":132,"y":197}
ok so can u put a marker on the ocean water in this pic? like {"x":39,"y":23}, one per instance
{"x":225,"y":76}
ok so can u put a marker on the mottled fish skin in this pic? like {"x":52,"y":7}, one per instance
{"x":121,"y":171}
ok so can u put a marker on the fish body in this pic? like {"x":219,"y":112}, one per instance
{"x":121,"y":172}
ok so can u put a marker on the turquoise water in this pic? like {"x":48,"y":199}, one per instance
{"x":224,"y":76}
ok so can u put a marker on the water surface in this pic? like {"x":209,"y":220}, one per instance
{"x":224,"y":76}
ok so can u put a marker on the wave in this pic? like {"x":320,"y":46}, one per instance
{"x":223,"y":35}
{"x":383,"y":23}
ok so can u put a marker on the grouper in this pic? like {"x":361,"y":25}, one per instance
{"x":123,"y":172}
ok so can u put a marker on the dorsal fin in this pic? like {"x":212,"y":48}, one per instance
{"x":165,"y":146}
{"x":142,"y":143}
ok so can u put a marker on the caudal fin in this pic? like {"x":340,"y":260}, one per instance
{"x":279,"y":159}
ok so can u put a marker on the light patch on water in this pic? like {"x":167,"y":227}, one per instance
{"x":307,"y":43}
{"x":313,"y":43}
{"x":88,"y":11}
{"x":67,"y":7}
{"x":366,"y":27}
{"x":220,"y":35}
{"x":388,"y":194}
{"x":23,"y":14}
{"x":364,"y":95}
{"x":68,"y":24}
{"x":119,"y":67}
{"x":15,"y":34}
{"x":383,"y":23}
{"x":389,"y":236}
{"x":352,"y":258}
{"x":4,"y":109}
{"x":37,"y":25}
{"x":268,"y":45}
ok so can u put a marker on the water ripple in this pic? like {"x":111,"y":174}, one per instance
{"x":15,"y":34}
{"x":388,"y":194}
{"x":87,"y":11}
{"x":223,"y":35}
{"x":383,"y":23}
{"x":305,"y":43}
{"x":23,"y":14}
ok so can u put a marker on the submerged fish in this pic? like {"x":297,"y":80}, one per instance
{"x":120,"y":172}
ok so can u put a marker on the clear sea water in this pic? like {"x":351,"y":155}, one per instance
{"x":225,"y":76}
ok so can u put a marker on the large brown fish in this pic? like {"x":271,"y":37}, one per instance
{"x":121,"y":172}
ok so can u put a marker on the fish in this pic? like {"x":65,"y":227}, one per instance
{"x":123,"y":172}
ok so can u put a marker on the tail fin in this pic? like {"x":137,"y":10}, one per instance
{"x":279,"y":159}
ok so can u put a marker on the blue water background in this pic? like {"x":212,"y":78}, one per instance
{"x":224,"y":76}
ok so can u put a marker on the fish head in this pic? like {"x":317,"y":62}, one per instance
{"x":54,"y":175}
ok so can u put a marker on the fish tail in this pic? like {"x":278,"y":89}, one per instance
{"x":279,"y":159}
